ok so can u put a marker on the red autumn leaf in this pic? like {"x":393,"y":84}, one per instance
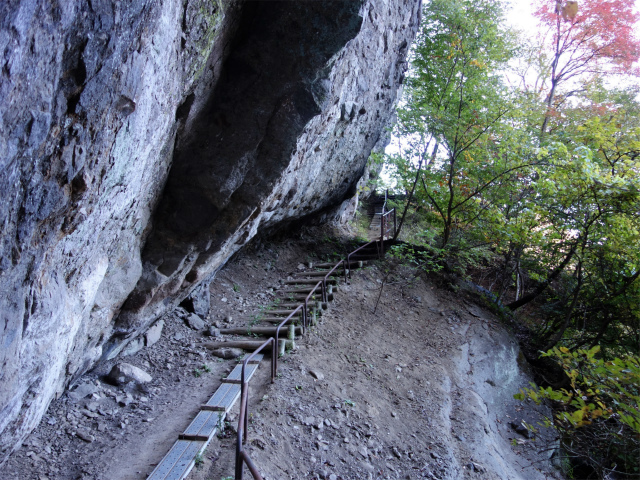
{"x":601,"y":37}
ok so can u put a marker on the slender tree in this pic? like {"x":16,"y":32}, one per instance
{"x":583,"y":39}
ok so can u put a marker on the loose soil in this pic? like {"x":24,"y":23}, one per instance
{"x":422,"y":388}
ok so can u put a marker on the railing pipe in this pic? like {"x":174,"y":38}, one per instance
{"x":243,"y":420}
{"x":395,"y":224}
{"x":284,"y":322}
{"x":382,"y":220}
{"x":326,"y":277}
{"x":311,"y":293}
{"x":252,"y":467}
{"x":356,"y":251}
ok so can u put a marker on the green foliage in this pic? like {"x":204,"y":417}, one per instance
{"x":459,"y":141}
{"x":539,"y":197}
{"x":428,"y":258}
{"x":599,"y":415}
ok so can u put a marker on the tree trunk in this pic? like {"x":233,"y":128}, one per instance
{"x":406,"y":207}
{"x":555,"y":337}
{"x":542,"y":287}
{"x":404,"y":213}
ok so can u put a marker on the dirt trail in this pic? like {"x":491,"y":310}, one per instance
{"x":421,"y":389}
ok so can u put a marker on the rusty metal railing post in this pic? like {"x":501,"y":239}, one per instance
{"x":346,"y":271}
{"x":239,"y":441}
{"x":243,"y":420}
{"x":395,"y":224}
{"x":382,"y":221}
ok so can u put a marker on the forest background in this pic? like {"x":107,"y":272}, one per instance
{"x":518,"y":167}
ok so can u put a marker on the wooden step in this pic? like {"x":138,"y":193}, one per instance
{"x":278,"y":320}
{"x":224,"y":397}
{"x":301,"y":297}
{"x":279,"y":312}
{"x":179,"y":461}
{"x":203,"y":426}
{"x":177,"y":464}
{"x":291,"y":305}
{"x":307,"y":281}
{"x":236,"y":374}
{"x":313,"y":274}
{"x":295,"y":290}
{"x":364,"y":256}
{"x":249,"y":345}
{"x":328,"y":266}
{"x":263,"y":331}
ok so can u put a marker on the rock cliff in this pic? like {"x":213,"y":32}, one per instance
{"x":143,"y":143}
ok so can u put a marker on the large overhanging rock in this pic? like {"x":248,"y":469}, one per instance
{"x":223,"y":118}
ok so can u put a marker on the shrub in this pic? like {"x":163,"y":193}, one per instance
{"x":598,"y":417}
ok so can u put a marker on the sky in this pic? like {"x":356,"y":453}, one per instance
{"x":519,"y":15}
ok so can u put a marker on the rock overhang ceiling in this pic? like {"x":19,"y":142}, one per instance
{"x":144,"y":143}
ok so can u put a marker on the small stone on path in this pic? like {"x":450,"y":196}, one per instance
{"x":122,"y":373}
{"x":212,"y":331}
{"x":227,"y":353}
{"x":85,"y":435}
{"x":195,"y":322}
{"x":83,"y":390}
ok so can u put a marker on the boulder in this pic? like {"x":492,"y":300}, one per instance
{"x":123,"y":373}
{"x":154,"y":333}
{"x":195,"y":322}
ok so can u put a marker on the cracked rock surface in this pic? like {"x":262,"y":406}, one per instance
{"x":145,"y":142}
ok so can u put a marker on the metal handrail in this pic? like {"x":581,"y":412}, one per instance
{"x":242,"y":458}
{"x":306,"y":300}
{"x":243,"y":422}
{"x":326,"y":277}
{"x":384,"y":229}
{"x":284,"y":322}
{"x":356,"y":251}
{"x":386,"y":197}
{"x":384,"y":220}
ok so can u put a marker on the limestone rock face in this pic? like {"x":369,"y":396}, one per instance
{"x":144,"y":142}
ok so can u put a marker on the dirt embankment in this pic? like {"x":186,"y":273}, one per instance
{"x":420,"y":389}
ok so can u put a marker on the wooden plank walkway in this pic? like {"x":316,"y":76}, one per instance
{"x":177,"y":464}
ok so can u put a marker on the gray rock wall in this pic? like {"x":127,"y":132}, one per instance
{"x":223,"y":118}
